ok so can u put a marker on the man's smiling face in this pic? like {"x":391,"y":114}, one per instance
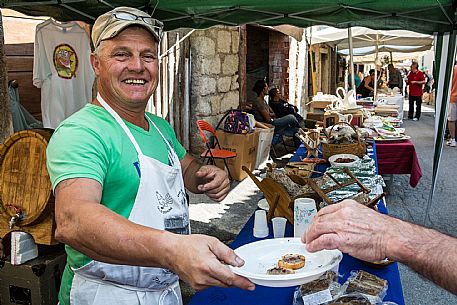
{"x":127,"y":67}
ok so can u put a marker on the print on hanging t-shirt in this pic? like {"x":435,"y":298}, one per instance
{"x":65,"y":61}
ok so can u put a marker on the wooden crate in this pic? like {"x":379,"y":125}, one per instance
{"x":315,"y":116}
{"x":331,"y":119}
{"x":35,"y":282}
{"x":319,"y":105}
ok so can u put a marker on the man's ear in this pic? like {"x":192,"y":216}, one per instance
{"x":95,"y":62}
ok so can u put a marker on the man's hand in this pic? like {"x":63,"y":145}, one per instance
{"x":202,"y":261}
{"x":351,"y":228}
{"x":214,"y":182}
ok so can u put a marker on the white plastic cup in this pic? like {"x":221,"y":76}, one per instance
{"x":279,"y":227}
{"x":304,"y":212}
{"x":260,"y":224}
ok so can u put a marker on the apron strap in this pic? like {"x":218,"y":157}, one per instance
{"x":172,"y":156}
{"x":120,"y":122}
{"x":170,"y":289}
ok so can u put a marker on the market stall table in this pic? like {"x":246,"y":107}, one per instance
{"x":399,"y":158}
{"x":284,"y":296}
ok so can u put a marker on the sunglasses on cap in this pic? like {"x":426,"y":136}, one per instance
{"x":157,"y":25}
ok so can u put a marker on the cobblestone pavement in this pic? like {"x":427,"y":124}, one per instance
{"x":224,"y":220}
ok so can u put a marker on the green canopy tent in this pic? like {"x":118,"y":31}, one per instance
{"x":424,"y":16}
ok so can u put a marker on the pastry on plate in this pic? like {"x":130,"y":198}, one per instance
{"x":292,"y":261}
{"x":279,"y":271}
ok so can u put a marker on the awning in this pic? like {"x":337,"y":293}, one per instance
{"x":424,"y":16}
{"x":365,"y":37}
{"x":386,"y":48}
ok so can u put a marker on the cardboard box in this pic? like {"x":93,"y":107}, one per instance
{"x":263,"y":150}
{"x":245,"y":146}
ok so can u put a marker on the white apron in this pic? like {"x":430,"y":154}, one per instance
{"x":161,"y":204}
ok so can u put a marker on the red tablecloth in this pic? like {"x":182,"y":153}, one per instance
{"x":399,"y":158}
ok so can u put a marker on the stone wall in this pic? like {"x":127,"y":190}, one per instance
{"x":214,"y":72}
{"x":298,"y":73}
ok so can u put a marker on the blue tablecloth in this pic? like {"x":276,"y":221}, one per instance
{"x":284,"y":296}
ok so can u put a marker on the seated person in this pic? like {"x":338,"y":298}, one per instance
{"x":287,"y":124}
{"x":281,"y":108}
{"x":366,"y":87}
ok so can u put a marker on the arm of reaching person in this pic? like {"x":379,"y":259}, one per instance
{"x":208,"y":179}
{"x":91,"y":228}
{"x":370,"y":236}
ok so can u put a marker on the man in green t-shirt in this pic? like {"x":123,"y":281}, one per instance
{"x":119,"y":176}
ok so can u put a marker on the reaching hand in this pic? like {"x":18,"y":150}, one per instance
{"x":215,"y":182}
{"x":351,"y":228}
{"x":202,"y":261}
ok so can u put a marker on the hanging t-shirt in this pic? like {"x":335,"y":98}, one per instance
{"x":62,"y":70}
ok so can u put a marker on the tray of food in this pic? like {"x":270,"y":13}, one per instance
{"x":284,"y":262}
{"x":391,"y":138}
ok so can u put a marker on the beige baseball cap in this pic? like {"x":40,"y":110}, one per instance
{"x":111,"y":23}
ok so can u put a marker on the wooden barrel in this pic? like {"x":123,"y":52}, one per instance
{"x":24,"y":180}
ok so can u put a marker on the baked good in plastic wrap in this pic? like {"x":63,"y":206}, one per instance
{"x":370,"y":286}
{"x":365,"y":172}
{"x":319,"y":291}
{"x":355,"y":299}
{"x":350,"y":299}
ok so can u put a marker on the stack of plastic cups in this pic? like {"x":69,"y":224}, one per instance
{"x":260,"y":224}
{"x":279,"y":227}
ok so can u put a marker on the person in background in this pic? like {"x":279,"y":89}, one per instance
{"x":416,"y":80}
{"x":366,"y":87}
{"x":452,"y":112}
{"x":371,"y":236}
{"x":357,"y":79}
{"x":395,"y":78}
{"x":429,"y":82}
{"x":282,"y":108}
{"x":120,"y":176}
{"x":264,"y":113}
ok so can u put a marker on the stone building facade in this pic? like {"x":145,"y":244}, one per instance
{"x":214,"y":77}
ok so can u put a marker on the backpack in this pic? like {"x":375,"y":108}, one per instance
{"x":237,"y":121}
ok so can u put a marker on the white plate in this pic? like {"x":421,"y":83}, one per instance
{"x":333,"y":158}
{"x":262,"y":255}
{"x":263,"y":204}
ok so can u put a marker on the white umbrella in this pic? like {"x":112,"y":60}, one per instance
{"x":365,"y":37}
{"x":385,"y":48}
{"x":358,"y":37}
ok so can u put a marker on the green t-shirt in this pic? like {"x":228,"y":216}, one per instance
{"x":91,"y":144}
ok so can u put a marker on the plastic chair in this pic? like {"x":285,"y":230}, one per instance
{"x":283,"y":137}
{"x":213,"y":152}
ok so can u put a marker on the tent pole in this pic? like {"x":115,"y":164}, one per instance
{"x":446,"y":67}
{"x":6,"y":123}
{"x":376,"y":68}
{"x":351,"y":60}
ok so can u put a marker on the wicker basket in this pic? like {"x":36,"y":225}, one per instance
{"x":359,"y":148}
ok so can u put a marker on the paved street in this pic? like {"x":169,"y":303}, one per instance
{"x":409,"y":204}
{"x":225,"y":219}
